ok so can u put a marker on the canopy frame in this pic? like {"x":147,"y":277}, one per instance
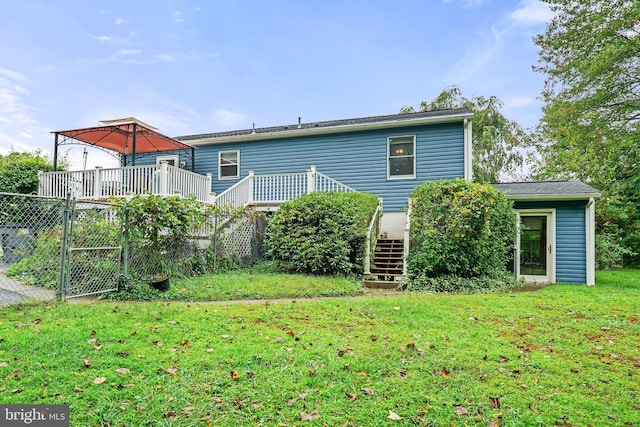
{"x":126,"y":139}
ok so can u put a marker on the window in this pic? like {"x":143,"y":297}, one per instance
{"x":228,"y":164}
{"x":170,"y":160}
{"x":401,"y":157}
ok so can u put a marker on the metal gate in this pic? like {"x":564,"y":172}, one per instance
{"x":92,"y":259}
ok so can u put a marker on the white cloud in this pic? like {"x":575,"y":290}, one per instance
{"x":531,"y":13}
{"x":103,"y":38}
{"x":484,"y":49}
{"x":225,"y":119}
{"x":163,"y":58}
{"x":120,"y":21}
{"x":12,"y":75}
{"x":125,"y":52}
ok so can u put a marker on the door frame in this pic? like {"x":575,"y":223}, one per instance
{"x":551,"y":245}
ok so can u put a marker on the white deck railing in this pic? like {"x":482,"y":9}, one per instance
{"x":372,"y":237}
{"x":274,"y":189}
{"x":100,"y":183}
{"x":407,"y":236}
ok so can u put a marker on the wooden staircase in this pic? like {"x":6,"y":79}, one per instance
{"x":386,"y":271}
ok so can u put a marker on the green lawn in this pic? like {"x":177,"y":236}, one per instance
{"x":564,"y":355}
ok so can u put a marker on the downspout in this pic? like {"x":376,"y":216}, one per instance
{"x":468,"y":150}
{"x":590,"y":241}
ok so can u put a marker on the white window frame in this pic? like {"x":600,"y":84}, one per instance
{"x":393,"y":177}
{"x":225,"y":178}
{"x":173,"y":158}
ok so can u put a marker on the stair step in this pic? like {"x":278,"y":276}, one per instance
{"x":381,"y":284}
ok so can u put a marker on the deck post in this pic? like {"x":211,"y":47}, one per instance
{"x":250,"y":189}
{"x":97,"y":182}
{"x":208,"y":191}
{"x":164,"y":178}
{"x":311,"y":179}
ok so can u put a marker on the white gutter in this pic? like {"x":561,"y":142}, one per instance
{"x":590,"y":241}
{"x":295,"y":132}
{"x":551,"y":197}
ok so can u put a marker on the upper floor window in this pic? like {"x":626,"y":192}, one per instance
{"x":228,"y":164}
{"x":401,"y":157}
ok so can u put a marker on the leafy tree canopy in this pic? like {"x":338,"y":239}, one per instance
{"x":591,"y":123}
{"x":19,"y":171}
{"x":498,"y":142}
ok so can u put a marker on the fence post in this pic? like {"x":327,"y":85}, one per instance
{"x":311,"y":179}
{"x":63,"y":246}
{"x":125,"y":250}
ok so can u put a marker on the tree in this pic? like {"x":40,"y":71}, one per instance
{"x":591,"y":121}
{"x":19,"y":171}
{"x":498,"y":143}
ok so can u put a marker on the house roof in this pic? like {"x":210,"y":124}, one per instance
{"x":547,"y":190}
{"x":331,"y":126}
{"x":118,"y":135}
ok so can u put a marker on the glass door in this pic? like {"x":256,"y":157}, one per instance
{"x":536,"y":247}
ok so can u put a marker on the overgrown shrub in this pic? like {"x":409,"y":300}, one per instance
{"x":462,"y":234}
{"x":321,"y":232}
{"x":610,"y":252}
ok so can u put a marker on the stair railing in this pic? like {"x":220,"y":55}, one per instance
{"x":407,"y":229}
{"x":372,"y":237}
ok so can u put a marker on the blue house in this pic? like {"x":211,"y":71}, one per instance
{"x":384,"y":155}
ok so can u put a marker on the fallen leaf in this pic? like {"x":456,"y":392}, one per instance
{"x":393,"y":416}
{"x":461,"y":410}
{"x":187,"y":410}
{"x":171,"y":371}
{"x":14,"y":374}
{"x":504,"y":359}
{"x":99,"y":380}
{"x":87,"y":363}
{"x":310,"y":416}
{"x":352,"y":397}
{"x":235,"y":375}
{"x":291,"y":333}
{"x":374,"y":338}
{"x":98,"y":347}
{"x":123,"y":371}
{"x":92,"y":341}
{"x":4,"y":364}
{"x":445,"y":373}
{"x":78,"y":389}
{"x":493,"y":423}
{"x":396,"y":308}
{"x":368,"y":391}
{"x":185,"y":343}
{"x":170,"y":414}
{"x":494,"y":402}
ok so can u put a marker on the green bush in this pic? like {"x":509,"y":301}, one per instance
{"x":321,"y":232}
{"x":610,"y":251}
{"x":460,"y":230}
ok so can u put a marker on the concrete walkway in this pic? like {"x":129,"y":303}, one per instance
{"x":13,"y":291}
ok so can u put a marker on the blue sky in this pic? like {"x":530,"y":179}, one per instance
{"x":196,"y":66}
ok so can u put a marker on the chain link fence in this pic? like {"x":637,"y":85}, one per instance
{"x":56,"y":248}
{"x":30,"y":243}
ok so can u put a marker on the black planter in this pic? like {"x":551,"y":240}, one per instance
{"x":161,"y":284}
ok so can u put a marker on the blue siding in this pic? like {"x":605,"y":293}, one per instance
{"x":357,"y":159}
{"x":571,"y":256}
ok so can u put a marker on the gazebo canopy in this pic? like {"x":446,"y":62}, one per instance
{"x":126,"y":137}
